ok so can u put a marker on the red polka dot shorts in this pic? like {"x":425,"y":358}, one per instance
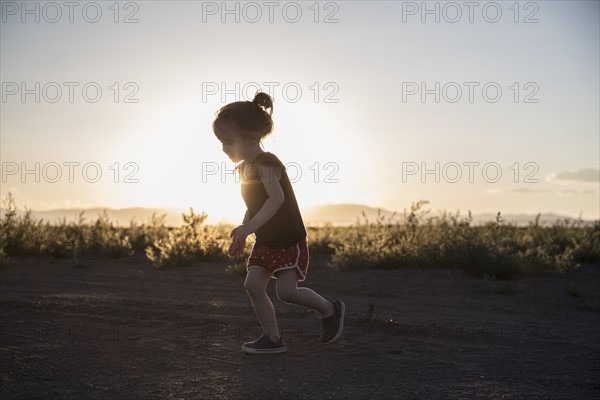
{"x":278,"y":259}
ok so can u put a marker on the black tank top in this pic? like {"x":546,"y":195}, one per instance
{"x":286,"y":227}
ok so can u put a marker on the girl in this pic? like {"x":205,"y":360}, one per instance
{"x":281,"y":248}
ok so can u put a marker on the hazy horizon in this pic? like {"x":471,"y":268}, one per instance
{"x":343,"y":214}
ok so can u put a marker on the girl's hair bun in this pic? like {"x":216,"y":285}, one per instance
{"x":264,"y":101}
{"x":249,"y":118}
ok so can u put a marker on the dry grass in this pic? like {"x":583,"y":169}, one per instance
{"x":495,"y":250}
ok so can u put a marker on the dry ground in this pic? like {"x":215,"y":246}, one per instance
{"x":121,"y":329}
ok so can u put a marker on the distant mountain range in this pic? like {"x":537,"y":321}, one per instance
{"x":346,"y":214}
{"x":336,"y":214}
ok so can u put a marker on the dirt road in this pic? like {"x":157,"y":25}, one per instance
{"x":124,"y":330}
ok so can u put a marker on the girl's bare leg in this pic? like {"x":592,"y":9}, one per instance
{"x":255,"y":284}
{"x":289,"y":292}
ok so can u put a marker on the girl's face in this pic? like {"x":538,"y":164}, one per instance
{"x":234,"y":148}
{"x":234,"y":145}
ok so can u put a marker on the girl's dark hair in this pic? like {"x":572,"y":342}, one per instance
{"x":249,"y":117}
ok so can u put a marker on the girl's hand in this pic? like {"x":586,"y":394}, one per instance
{"x":239,"y":236}
{"x":241,"y":233}
{"x":236,"y":248}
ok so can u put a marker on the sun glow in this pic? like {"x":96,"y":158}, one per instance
{"x":180,"y":164}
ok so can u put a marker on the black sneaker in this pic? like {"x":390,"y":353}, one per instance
{"x":264,"y":345}
{"x":334,"y":324}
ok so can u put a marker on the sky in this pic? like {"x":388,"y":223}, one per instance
{"x":493,"y":107}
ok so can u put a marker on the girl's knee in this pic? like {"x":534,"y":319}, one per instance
{"x":254,"y":286}
{"x":286,"y":293}
{"x":285,"y":296}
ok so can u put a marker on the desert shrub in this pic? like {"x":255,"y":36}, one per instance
{"x":193,"y":241}
{"x":496,"y":249}
{"x":24,"y":236}
{"x":143,"y":235}
{"x":321,"y":238}
{"x":80,"y":240}
{"x":21,"y":235}
{"x":106,"y":239}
